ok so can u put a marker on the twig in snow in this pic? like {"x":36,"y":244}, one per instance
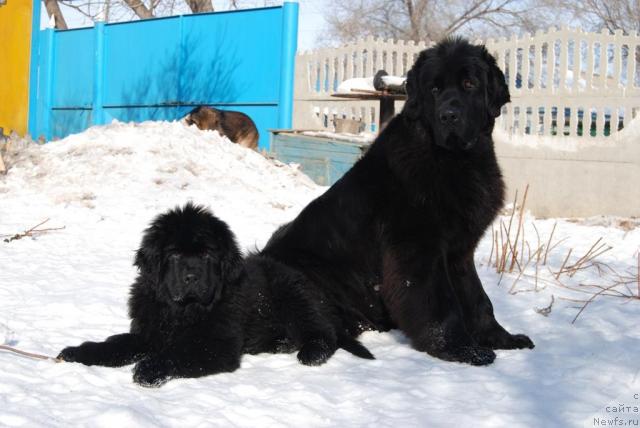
{"x":29,"y":354}
{"x":546,"y":310}
{"x":33,"y":231}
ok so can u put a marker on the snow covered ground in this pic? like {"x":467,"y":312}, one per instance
{"x":103,"y":186}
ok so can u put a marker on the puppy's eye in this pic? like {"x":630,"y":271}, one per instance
{"x":435,"y":90}
{"x":468,"y":84}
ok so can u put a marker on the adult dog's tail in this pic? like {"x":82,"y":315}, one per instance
{"x":353,"y":346}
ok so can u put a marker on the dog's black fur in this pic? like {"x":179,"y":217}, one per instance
{"x":196,"y":306}
{"x":392,"y":242}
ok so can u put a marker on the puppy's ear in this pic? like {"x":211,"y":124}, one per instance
{"x":497,"y":89}
{"x":147,"y":259}
{"x":232,"y":265}
{"x":231,"y":270}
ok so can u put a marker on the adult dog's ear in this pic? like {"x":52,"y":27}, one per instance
{"x":497,"y":89}
{"x":413,"y":105}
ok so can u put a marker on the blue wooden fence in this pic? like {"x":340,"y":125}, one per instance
{"x":159,"y":69}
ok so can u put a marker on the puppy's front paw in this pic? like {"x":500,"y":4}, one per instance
{"x":474,"y":355}
{"x":151,"y":372}
{"x":315,"y":352}
{"x":70,"y":354}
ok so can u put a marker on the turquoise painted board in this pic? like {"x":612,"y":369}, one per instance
{"x":73,"y":68}
{"x":323,"y":160}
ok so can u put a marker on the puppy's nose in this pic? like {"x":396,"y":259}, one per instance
{"x":190,"y":278}
{"x":449,"y":116}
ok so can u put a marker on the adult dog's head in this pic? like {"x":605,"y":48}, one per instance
{"x":456,"y":90}
{"x":188,"y":255}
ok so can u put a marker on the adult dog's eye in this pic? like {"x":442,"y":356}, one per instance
{"x":435,"y":90}
{"x":468,"y":84}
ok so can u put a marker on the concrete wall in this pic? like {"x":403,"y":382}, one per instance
{"x":577,"y":179}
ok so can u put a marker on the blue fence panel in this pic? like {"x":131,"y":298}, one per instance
{"x":74,"y":68}
{"x":159,"y":69}
{"x":142,"y":62}
{"x":236,"y":57}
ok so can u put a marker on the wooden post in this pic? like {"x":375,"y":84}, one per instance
{"x":387,"y":110}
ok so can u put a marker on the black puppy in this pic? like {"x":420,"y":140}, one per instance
{"x":195,"y":306}
{"x":392,"y":242}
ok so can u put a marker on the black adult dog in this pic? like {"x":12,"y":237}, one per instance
{"x":196,"y":306}
{"x":392,"y":242}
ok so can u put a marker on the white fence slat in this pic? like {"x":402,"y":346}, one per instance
{"x":568,"y":69}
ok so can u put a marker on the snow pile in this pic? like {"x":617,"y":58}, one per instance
{"x":147,"y":167}
{"x":104,"y":186}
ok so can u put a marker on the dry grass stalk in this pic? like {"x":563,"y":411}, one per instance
{"x":591,"y":299}
{"x":507,"y":255}
{"x":513,"y":286}
{"x":586,"y":261}
{"x":546,"y":251}
{"x":564,"y":263}
{"x":492,"y":245}
{"x":520,"y":229}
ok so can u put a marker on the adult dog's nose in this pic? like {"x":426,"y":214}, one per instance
{"x":190,"y":278}
{"x":449,"y":116}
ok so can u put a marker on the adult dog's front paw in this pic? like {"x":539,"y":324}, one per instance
{"x":516,"y":341}
{"x":151,"y":372}
{"x":315,"y":352}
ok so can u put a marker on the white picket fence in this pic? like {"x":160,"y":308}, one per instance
{"x":562,"y":82}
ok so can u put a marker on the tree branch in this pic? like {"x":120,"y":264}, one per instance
{"x":53,"y":9}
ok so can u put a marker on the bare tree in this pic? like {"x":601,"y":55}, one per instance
{"x":53,"y":9}
{"x":123,"y":10}
{"x":602,"y":14}
{"x":431,"y":19}
{"x":198,"y":6}
{"x":139,"y":8}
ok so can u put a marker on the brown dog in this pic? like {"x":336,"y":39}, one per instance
{"x":236,"y":126}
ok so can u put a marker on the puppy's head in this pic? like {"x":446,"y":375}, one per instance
{"x":457,"y":90}
{"x":203,"y":117}
{"x":189,"y":256}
